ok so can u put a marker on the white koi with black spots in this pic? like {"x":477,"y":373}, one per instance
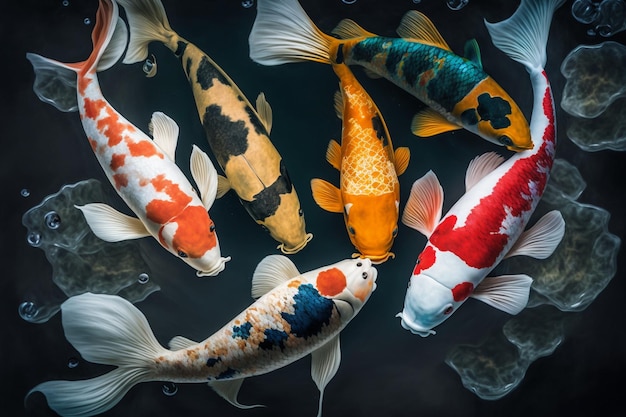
{"x":295,"y":315}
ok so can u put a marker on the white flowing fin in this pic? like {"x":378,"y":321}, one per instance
{"x":415,"y":25}
{"x":223,"y":186}
{"x":116,"y":47}
{"x":324,"y":364}
{"x":164,"y":131}
{"x":264,"y":110}
{"x":272,"y":271}
{"x":542,"y":239}
{"x":480,"y":167}
{"x":111,"y":225}
{"x":424,"y":206}
{"x":205,"y":176}
{"x":180,"y":342}
{"x":508,"y":293}
{"x":229,"y":390}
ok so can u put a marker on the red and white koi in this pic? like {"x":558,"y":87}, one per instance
{"x":143,"y":171}
{"x":487,"y":223}
{"x":296,"y":315}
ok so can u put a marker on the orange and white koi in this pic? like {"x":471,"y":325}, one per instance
{"x":295,"y":315}
{"x":143,"y":171}
{"x":369,"y":193}
{"x":459,"y":93}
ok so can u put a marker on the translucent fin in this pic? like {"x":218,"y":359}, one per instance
{"x":371,"y":74}
{"x":180,"y":342}
{"x":265,"y":112}
{"x":401,"y":159}
{"x":229,"y":390}
{"x":164,"y":131}
{"x":472,"y":52}
{"x":348,"y":28}
{"x":110,"y":225}
{"x":422,"y":211}
{"x":339,"y":104}
{"x":429,"y":122}
{"x":116,"y":46}
{"x":325,"y":362}
{"x":223,"y":186}
{"x":542,"y":239}
{"x":272,"y":271}
{"x":333,"y":154}
{"x":415,"y":25}
{"x":508,"y":293}
{"x":205,"y":176}
{"x":327,"y":196}
{"x":55,"y":82}
{"x":481,"y":166}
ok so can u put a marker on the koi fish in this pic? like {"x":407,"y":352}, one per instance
{"x":143,"y":171}
{"x":238,"y":134}
{"x":369,"y":194}
{"x":457,"y":90}
{"x":487,"y":223}
{"x":295,"y":315}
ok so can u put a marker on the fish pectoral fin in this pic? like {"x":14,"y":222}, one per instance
{"x":371,"y":74}
{"x":472,"y":52}
{"x":223,"y":186}
{"x":116,"y":47}
{"x":110,"y":225}
{"x":180,"y":342}
{"x":480,"y":166}
{"x":324,"y":364}
{"x":422,"y":211}
{"x":205,"y":176}
{"x":348,"y":28}
{"x":229,"y":389}
{"x":542,"y":239}
{"x":415,"y":25}
{"x":326,"y":195}
{"x":333,"y":154}
{"x":265,"y":112}
{"x":272,"y":271}
{"x":508,"y":293}
{"x":429,"y":123}
{"x":401,"y":159}
{"x":164,"y":131}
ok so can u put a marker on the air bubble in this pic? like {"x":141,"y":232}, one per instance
{"x":247,"y":3}
{"x":65,"y":3}
{"x":457,"y":4}
{"x":348,"y":1}
{"x":169,"y":389}
{"x":87,"y":21}
{"x":585,"y":11}
{"x":34,"y":239}
{"x":27,"y":310}
{"x":53,"y":220}
{"x":25,"y":192}
{"x":143,"y":278}
{"x":150,"y":66}
{"x":72,"y":363}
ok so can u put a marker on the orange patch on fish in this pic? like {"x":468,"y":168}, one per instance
{"x":160,"y":211}
{"x":144,"y":148}
{"x":294,"y":283}
{"x":93,"y":144}
{"x":193,"y":235}
{"x":121,"y":180}
{"x":110,"y":126}
{"x":117,"y":160}
{"x":331,"y":282}
{"x":93,"y":107}
{"x":364,"y":292}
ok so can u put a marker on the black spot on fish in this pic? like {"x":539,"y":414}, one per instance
{"x":379,"y":128}
{"x":469,"y":117}
{"x":494,"y":110}
{"x":259,"y":128}
{"x":226,"y":137}
{"x":394,"y":57}
{"x":339,"y":57}
{"x":213,"y":361}
{"x":228,"y":373}
{"x":273,"y":338}
{"x":311,"y":312}
{"x":207,"y":73}
{"x":180,"y":49}
{"x":267,"y":201}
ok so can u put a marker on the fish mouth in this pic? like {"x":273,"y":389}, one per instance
{"x":518,"y":148}
{"x":297,"y":248}
{"x":376,"y":259}
{"x":414,"y":328}
{"x":219,"y":267}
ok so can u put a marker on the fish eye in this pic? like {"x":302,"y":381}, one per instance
{"x":351,"y":230}
{"x":359,"y":264}
{"x":182,"y":254}
{"x":448,"y":310}
{"x":300,"y":212}
{"x":212,"y":228}
{"x":364,"y":275}
{"x":505,"y":140}
{"x":395,"y":232}
{"x":409,"y":286}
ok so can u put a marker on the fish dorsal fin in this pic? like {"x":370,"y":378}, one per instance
{"x":424,"y":206}
{"x":205,"y":176}
{"x":339,"y":104}
{"x":481,"y":166}
{"x":542,"y":239}
{"x":327,"y":196}
{"x":164,"y":131}
{"x":472,"y":52}
{"x":229,"y":389}
{"x":110,"y":225}
{"x":223,"y":186}
{"x":508,"y":293}
{"x":116,"y":47}
{"x":272,"y":271}
{"x":180,"y":342}
{"x":348,"y":28}
{"x":401,"y":159}
{"x":430,"y":122}
{"x":265,"y":112}
{"x":333,"y":154}
{"x":324,"y":364}
{"x":415,"y":25}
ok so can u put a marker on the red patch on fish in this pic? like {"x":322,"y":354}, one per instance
{"x":111,"y":127}
{"x":193,"y":235}
{"x":144,"y":148}
{"x":425,"y":260}
{"x":93,"y":107}
{"x":117,"y":161}
{"x":331,"y":282}
{"x":120,"y":180}
{"x":461,"y":291}
{"x":161,"y":211}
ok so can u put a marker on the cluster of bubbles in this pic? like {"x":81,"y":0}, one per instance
{"x":607,"y":17}
{"x":594,"y":95}
{"x":81,"y":261}
{"x":568,"y":281}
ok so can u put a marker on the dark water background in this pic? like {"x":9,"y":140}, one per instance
{"x":385,"y":371}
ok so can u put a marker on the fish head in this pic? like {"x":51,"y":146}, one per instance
{"x":191,"y":237}
{"x":427,"y":304}
{"x":286,"y":225}
{"x":372,"y":224}
{"x":349,"y":283}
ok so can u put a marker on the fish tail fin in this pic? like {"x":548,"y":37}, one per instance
{"x":109,"y":330}
{"x":524,"y":35}
{"x":282,"y":32}
{"x":56,"y":82}
{"x":148,"y":22}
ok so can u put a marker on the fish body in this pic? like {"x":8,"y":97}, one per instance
{"x":459,"y":93}
{"x":295,"y":315}
{"x":237,"y":132}
{"x":369,"y":192}
{"x":143,"y":171}
{"x":487,"y":223}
